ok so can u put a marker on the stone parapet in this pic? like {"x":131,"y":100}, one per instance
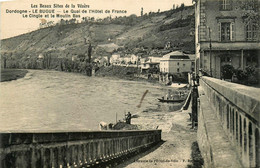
{"x":64,"y":149}
{"x":215,"y":147}
{"x":243,"y":97}
{"x":228,"y":122}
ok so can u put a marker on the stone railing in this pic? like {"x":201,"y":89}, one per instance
{"x":236,"y":109}
{"x":71,"y":149}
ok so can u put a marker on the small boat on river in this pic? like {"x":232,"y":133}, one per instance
{"x":170,"y":100}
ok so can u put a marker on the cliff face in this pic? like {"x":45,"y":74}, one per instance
{"x":150,"y":32}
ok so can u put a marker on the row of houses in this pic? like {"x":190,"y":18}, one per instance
{"x":171,"y":63}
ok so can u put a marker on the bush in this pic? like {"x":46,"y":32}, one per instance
{"x":227,"y":71}
{"x":252,"y":79}
{"x":247,"y":76}
{"x":241,"y":75}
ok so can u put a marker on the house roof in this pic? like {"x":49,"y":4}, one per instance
{"x":151,"y":63}
{"x":192,"y":56}
{"x":175,"y":55}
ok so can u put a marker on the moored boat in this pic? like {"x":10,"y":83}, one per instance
{"x":170,"y":100}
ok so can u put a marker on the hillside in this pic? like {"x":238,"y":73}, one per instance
{"x":148,"y":32}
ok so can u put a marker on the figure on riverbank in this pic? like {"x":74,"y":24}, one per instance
{"x":128,"y":118}
{"x":103,"y":125}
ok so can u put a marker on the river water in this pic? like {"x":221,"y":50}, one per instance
{"x":58,"y":101}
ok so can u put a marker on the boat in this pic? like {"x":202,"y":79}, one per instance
{"x":170,"y":100}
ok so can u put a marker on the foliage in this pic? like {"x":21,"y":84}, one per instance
{"x":247,"y":76}
{"x":241,"y":75}
{"x":178,"y":9}
{"x":250,"y":11}
{"x":177,"y":23}
{"x":227,"y":71}
{"x":251,"y":72}
{"x":153,"y":70}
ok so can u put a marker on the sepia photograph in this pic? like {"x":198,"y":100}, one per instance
{"x":129,"y":83}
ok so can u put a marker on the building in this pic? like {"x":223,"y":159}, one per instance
{"x":102,"y":60}
{"x":150,"y":63}
{"x":115,"y":59}
{"x":154,"y":59}
{"x":226,"y":33}
{"x":175,"y":62}
{"x":126,"y":60}
{"x":134,"y":59}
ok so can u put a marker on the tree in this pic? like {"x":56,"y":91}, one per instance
{"x":250,"y":11}
{"x":89,"y":52}
{"x":142,"y":11}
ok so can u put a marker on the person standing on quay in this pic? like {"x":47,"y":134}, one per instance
{"x":128,"y":118}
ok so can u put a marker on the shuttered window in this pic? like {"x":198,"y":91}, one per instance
{"x":226,"y":31}
{"x":232,"y":31}
{"x":219,"y":31}
{"x":251,"y":31}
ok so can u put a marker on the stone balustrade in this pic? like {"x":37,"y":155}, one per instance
{"x":228,"y":131}
{"x":71,"y":149}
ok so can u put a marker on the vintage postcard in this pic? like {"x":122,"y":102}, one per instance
{"x":129,"y":83}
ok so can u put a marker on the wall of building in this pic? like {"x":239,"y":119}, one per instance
{"x":172,"y":66}
{"x":228,"y":128}
{"x":182,"y":65}
{"x":164,"y":66}
{"x":235,"y":61}
{"x":209,"y":18}
{"x":66,"y":149}
{"x":211,"y":15}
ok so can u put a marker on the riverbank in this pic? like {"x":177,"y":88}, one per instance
{"x":127,"y":73}
{"x":179,"y":147}
{"x":12,"y":74}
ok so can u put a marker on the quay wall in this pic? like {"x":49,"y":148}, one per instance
{"x":71,"y":149}
{"x":228,"y":123}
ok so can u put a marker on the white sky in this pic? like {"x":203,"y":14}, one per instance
{"x":13,"y":24}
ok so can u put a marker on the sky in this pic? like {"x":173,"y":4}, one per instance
{"x":13,"y":23}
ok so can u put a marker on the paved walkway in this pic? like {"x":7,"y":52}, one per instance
{"x":178,"y":139}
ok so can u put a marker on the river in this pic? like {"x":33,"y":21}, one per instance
{"x":57,"y":101}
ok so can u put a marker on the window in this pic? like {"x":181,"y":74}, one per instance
{"x":226,"y":31}
{"x":251,"y":31}
{"x":184,"y":65}
{"x":225,"y":4}
{"x":177,"y":63}
{"x":178,"y":70}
